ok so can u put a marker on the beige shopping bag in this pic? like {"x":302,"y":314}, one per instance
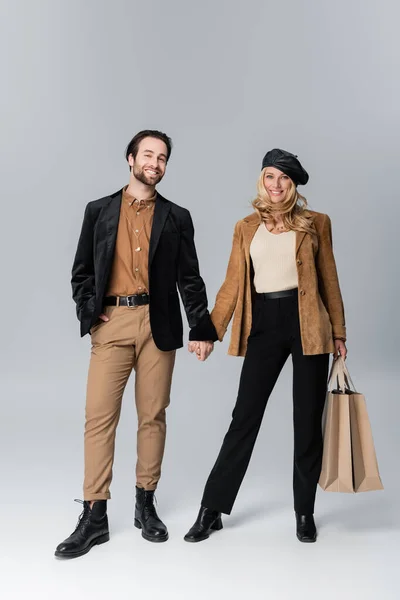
{"x":337,"y":470}
{"x":349,"y":461}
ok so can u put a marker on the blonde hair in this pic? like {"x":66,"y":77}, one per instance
{"x":291,"y":209}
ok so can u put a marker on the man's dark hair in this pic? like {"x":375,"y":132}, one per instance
{"x":133,"y":145}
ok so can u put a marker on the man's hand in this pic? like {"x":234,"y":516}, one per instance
{"x":104,"y":317}
{"x":340,"y":349}
{"x":201,"y":349}
{"x":192,"y":346}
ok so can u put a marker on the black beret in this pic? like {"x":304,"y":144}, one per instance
{"x":287,"y":163}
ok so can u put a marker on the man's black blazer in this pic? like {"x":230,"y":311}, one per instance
{"x":172,"y":263}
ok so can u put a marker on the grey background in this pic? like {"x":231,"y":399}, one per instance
{"x":227,"y":82}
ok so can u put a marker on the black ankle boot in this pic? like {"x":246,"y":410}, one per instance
{"x":91,"y":529}
{"x":305,"y":528}
{"x":207,"y":520}
{"x":146,"y":518}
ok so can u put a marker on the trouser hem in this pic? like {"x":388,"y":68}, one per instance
{"x":100,"y":496}
{"x":216,"y":507}
{"x":147,"y":488}
{"x":304,"y":509}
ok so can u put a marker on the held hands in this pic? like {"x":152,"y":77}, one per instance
{"x":201,"y":349}
{"x":340,"y":349}
{"x":204,"y":349}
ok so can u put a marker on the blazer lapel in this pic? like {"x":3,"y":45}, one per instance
{"x":161,"y":211}
{"x":300,"y":235}
{"x":250,"y":226}
{"x":111,"y":218}
{"x":105,"y":237}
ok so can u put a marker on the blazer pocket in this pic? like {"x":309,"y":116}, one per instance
{"x":325,"y":318}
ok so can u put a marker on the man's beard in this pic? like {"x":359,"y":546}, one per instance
{"x":141,"y":176}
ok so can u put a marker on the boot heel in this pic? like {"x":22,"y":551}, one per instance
{"x":103,"y":539}
{"x":137,"y":524}
{"x":217,"y":525}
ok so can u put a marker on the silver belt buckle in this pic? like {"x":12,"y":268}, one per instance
{"x":128,"y":302}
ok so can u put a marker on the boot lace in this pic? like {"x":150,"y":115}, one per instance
{"x":149,"y":508}
{"x":84,"y":517}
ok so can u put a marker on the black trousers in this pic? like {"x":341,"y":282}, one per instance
{"x":275,"y":334}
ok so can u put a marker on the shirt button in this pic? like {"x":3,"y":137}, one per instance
{"x":302,"y":293}
{"x":139,"y":288}
{"x":138,"y":213}
{"x":299,"y":262}
{"x":136,"y":270}
{"x":136,"y":230}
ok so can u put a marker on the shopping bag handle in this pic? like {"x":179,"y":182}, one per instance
{"x":340,"y":374}
{"x":347,"y":376}
{"x":336,"y":378}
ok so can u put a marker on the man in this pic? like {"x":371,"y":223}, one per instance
{"x":134,"y":250}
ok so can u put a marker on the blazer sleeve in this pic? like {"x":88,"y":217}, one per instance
{"x":83,"y":280}
{"x":328,"y":281}
{"x":227,"y":296}
{"x":191,"y":286}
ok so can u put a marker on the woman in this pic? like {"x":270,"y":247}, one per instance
{"x":282,"y":286}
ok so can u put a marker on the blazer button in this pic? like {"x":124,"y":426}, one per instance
{"x":299,"y":262}
{"x":302,"y":293}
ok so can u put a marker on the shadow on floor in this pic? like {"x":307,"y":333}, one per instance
{"x":376,"y":514}
{"x":254,"y":512}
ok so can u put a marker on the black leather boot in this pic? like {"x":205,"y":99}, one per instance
{"x":91,"y":529}
{"x":146,"y":518}
{"x":305,"y":528}
{"x":207,"y":521}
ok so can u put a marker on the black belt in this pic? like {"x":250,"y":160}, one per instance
{"x":135,"y":300}
{"x":281,"y":294}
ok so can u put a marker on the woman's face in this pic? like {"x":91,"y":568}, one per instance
{"x":277,"y":184}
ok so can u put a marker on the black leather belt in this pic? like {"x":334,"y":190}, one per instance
{"x":135,"y":300}
{"x":281,"y":294}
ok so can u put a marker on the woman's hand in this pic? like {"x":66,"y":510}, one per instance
{"x":340,"y":349}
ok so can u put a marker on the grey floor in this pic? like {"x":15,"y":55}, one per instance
{"x":256,"y":554}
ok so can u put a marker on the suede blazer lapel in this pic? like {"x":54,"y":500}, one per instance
{"x":301,"y":235}
{"x":250,"y":226}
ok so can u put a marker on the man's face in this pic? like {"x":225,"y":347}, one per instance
{"x":150,"y":162}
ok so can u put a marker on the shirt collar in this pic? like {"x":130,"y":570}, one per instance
{"x":129,"y":199}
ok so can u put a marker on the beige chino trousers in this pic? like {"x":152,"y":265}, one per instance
{"x":119,"y":345}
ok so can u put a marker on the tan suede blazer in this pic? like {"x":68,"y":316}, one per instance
{"x":320,"y":301}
